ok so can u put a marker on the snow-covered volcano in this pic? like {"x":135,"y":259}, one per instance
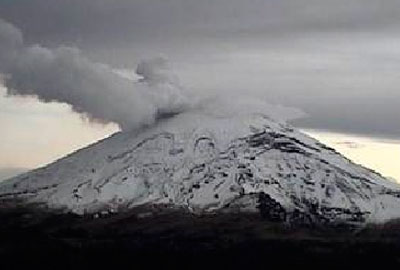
{"x":207,"y":163}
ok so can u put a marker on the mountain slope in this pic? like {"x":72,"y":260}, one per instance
{"x":207,"y":163}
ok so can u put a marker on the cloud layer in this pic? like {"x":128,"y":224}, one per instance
{"x":336,"y":59}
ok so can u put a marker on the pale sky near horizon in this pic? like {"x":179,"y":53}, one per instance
{"x":336,"y":60}
{"x":377,"y":154}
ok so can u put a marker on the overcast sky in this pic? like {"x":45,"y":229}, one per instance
{"x":337,"y":60}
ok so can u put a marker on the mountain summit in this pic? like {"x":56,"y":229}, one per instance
{"x":208,"y":163}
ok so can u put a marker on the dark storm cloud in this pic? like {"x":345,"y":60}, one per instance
{"x":336,"y":59}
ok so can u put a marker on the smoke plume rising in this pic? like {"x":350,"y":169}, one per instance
{"x":104,"y":94}
{"x":65,"y":75}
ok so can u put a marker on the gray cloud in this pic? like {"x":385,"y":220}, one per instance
{"x":337,"y":59}
{"x":376,"y":117}
{"x":65,"y":75}
{"x":70,"y":20}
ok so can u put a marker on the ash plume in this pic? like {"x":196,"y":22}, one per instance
{"x":105,"y":94}
{"x":65,"y":75}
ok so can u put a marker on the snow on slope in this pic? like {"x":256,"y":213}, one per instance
{"x":244,"y":162}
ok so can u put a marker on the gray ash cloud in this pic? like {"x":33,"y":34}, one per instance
{"x":65,"y":75}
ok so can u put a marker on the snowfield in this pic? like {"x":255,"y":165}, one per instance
{"x":208,"y":163}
